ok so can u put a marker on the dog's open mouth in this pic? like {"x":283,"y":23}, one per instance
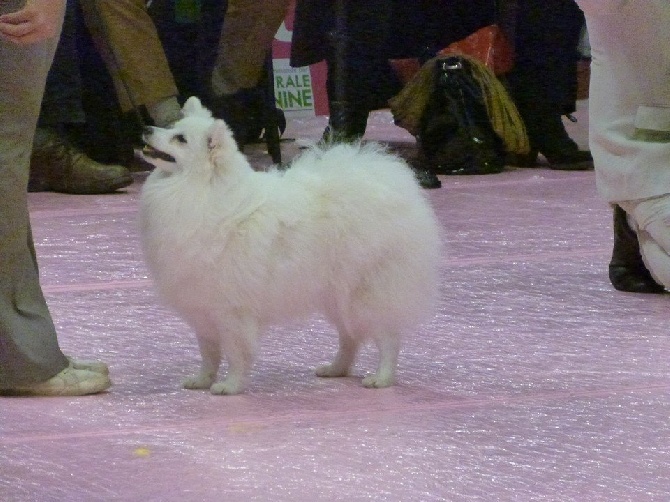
{"x":150,"y":151}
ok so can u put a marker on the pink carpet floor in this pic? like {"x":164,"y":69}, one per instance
{"x":534,"y":380}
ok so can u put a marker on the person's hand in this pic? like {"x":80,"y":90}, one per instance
{"x":38,"y":20}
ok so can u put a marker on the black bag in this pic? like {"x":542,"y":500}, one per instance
{"x":455,"y":133}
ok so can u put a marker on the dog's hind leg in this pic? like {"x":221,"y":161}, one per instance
{"x":346,"y":354}
{"x":210,"y":351}
{"x":239,"y":345}
{"x":389,"y":348}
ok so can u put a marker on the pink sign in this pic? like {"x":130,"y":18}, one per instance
{"x":299,"y":91}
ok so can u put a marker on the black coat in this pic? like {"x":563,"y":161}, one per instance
{"x":546,"y":40}
{"x":387,"y":28}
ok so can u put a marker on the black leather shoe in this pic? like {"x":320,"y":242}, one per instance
{"x":627,"y":271}
{"x":423,"y":172}
{"x":547,"y":135}
{"x":346,"y":124}
{"x":245,"y":113}
{"x":570,"y":160}
{"x":522,"y":160}
{"x":427,"y":178}
{"x":632,"y":280}
{"x":233,"y":110}
{"x":58,"y":166}
{"x":567,"y":160}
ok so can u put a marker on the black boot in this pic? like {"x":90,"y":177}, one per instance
{"x":427,"y":178}
{"x":627,"y":271}
{"x":548,"y":136}
{"x":567,"y":158}
{"x":347,"y":123}
{"x":545,"y":128}
{"x":242,"y":112}
{"x":558,"y":148}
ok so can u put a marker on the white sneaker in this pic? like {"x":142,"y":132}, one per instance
{"x":69,"y":382}
{"x":94,"y":366}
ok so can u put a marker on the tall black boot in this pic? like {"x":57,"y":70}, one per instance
{"x":627,"y":271}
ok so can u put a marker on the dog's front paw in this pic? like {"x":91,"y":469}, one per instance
{"x":378,"y":381}
{"x":226,"y":388}
{"x":198,"y":382}
{"x":331,"y":370}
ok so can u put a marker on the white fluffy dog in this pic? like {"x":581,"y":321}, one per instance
{"x":345,"y":231}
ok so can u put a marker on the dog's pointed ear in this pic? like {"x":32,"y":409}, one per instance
{"x":193,"y":108}
{"x":219,"y":135}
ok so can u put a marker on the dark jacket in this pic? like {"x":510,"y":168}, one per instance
{"x":546,"y":40}
{"x":387,"y":28}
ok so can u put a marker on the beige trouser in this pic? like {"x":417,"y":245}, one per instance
{"x":126,"y":37}
{"x":248,"y":30}
{"x":29,"y":351}
{"x":651,"y":220}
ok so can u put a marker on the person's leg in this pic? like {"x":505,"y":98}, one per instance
{"x":234,"y":92}
{"x":651,"y":220}
{"x":29,"y":350}
{"x":127,"y":39}
{"x":627,"y":271}
{"x":543,"y":82}
{"x":249,"y":27}
{"x":360,"y":78}
{"x":31,"y":361}
{"x":57,"y":164}
{"x":62,"y":95}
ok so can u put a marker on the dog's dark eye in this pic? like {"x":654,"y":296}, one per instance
{"x":180,"y":138}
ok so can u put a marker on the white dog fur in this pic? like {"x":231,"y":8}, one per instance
{"x":345,"y":232}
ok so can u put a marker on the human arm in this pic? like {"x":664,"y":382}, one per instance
{"x":36,"y":21}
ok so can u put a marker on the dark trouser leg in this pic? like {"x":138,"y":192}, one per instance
{"x":543,"y":82}
{"x":62,"y":102}
{"x":359,"y":78}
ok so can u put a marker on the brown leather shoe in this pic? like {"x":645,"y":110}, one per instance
{"x":58,"y":166}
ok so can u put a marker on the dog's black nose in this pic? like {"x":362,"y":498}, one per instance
{"x":147,"y":130}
